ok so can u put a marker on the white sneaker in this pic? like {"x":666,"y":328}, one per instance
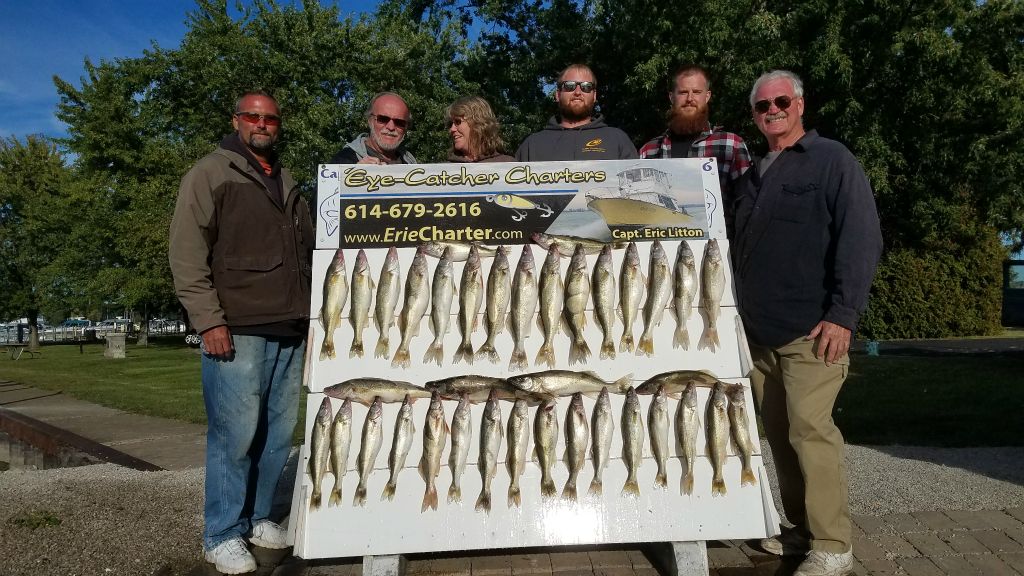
{"x":819,"y":563}
{"x":231,"y":557}
{"x":267,"y":534}
{"x":790,"y":543}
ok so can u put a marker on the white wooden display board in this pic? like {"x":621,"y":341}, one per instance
{"x":382,"y":527}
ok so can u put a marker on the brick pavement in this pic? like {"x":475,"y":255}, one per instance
{"x":926,"y":543}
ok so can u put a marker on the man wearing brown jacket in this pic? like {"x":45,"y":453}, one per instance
{"x":241,"y":246}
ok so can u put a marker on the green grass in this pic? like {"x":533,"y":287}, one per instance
{"x":908,"y":400}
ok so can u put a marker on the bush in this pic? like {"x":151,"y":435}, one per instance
{"x":937,"y":294}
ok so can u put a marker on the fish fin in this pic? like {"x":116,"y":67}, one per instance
{"x":626,"y":342}
{"x":624,"y":382}
{"x":381,"y":351}
{"x":546,"y":355}
{"x":314,"y":499}
{"x":335,"y":499}
{"x":488,"y":351}
{"x":709,"y":339}
{"x":631,"y":488}
{"x":569,"y":492}
{"x":518,"y":361}
{"x":646,"y":345}
{"x":686,"y":485}
{"x":434,"y":353}
{"x":661,"y":480}
{"x":356,"y":350}
{"x":718,"y":488}
{"x":464,"y":352}
{"x":360,"y":496}
{"x":429,"y":498}
{"x":454,"y":493}
{"x":483,"y":502}
{"x":607,"y":350}
{"x":548,"y":489}
{"x":401,"y":359}
{"x":681,"y":338}
{"x":515,"y":496}
{"x":327,"y":350}
{"x":389,"y":491}
{"x":595,"y":487}
{"x":747,"y":477}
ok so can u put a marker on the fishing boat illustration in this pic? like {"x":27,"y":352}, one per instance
{"x":641,"y":200}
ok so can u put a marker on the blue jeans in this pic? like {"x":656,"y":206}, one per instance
{"x":252,"y":405}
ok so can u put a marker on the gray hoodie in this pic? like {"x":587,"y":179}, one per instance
{"x":593,"y":141}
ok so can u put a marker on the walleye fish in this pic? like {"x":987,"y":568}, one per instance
{"x":523,"y":305}
{"x":577,"y":436}
{"x":515,"y":454}
{"x":388,"y":290}
{"x":435,"y":433}
{"x":368,"y":448}
{"x":657,"y":427}
{"x":442,"y":291}
{"x":577,"y":294}
{"x":460,"y":250}
{"x":320,"y":450}
{"x":551,"y":289}
{"x":659,"y":292}
{"x":602,"y":426}
{"x":676,"y":381}
{"x":631,"y":291}
{"x":478,"y":388}
{"x":740,"y":427}
{"x":545,"y":437}
{"x":366,"y":390}
{"x":603,"y":283}
{"x":335,"y":294}
{"x":684,"y":290}
{"x":471,"y":296}
{"x":712,"y":286}
{"x":632,"y":441}
{"x":566,"y":382}
{"x":404,"y":430}
{"x":462,"y":434}
{"x":417,"y":296}
{"x":687,"y":423}
{"x":499,"y":289}
{"x":717,"y":422}
{"x":490,"y":444}
{"x":566,"y":245}
{"x":362,"y":296}
{"x":341,"y":441}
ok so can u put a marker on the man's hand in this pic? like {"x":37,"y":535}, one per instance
{"x":833,"y":341}
{"x":369,"y":160}
{"x":217,"y":342}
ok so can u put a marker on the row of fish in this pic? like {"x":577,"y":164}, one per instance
{"x":726,"y":421}
{"x":513,"y":298}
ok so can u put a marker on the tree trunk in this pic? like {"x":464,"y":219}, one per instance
{"x":33,"y":330}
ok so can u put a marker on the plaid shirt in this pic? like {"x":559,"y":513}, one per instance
{"x":728,"y":148}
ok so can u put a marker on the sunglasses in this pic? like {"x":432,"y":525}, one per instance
{"x":254,"y":118}
{"x":781,"y":102}
{"x":455,"y":122}
{"x":383,"y":120}
{"x":570,"y":86}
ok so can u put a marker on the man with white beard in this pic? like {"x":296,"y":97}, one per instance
{"x":691,"y":135}
{"x":388,"y":120}
{"x":576,"y":132}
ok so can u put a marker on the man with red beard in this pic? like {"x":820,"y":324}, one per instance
{"x":691,"y":135}
{"x":576,"y":132}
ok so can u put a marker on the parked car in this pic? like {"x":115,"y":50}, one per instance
{"x":77,"y":323}
{"x":114,"y":325}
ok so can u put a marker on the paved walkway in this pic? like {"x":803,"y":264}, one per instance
{"x":926,"y":543}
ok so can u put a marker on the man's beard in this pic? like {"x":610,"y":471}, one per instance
{"x":575,"y":113}
{"x":687,"y":122}
{"x":261,"y":142}
{"x":385,"y":146}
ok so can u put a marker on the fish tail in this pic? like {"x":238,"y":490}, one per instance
{"x":518,"y":362}
{"x":607,"y":350}
{"x":488,"y":351}
{"x":401,"y":359}
{"x":483,"y":502}
{"x":356,"y":350}
{"x":581,"y":349}
{"x":547,"y":488}
{"x":546,"y":355}
{"x":631,"y":488}
{"x":569,"y":492}
{"x":686,"y":486}
{"x":360,"y":497}
{"x":389,"y":491}
{"x":661,"y":480}
{"x":314,"y":500}
{"x":626,"y":343}
{"x":463,"y":352}
{"x":747,"y":477}
{"x":645,"y":346}
{"x":382,"y":347}
{"x":718,"y":487}
{"x":454,"y":493}
{"x":681,"y":339}
{"x":327,"y":350}
{"x":709,"y":339}
{"x":434,"y":353}
{"x":429,"y":498}
{"x":335,"y":499}
{"x":595,"y":487}
{"x":515,"y":496}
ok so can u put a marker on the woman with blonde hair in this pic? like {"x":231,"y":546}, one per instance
{"x":474,"y":132}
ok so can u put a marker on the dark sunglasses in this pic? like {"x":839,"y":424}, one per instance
{"x":383,"y":120}
{"x":454,"y":122}
{"x":254,"y":118}
{"x":781,"y":102}
{"x":570,"y":86}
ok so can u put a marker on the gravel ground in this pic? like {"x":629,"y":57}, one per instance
{"x":119,"y":521}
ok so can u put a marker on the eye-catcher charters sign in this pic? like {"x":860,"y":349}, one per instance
{"x":369,"y":206}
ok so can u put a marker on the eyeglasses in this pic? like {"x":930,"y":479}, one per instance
{"x":383,"y":120}
{"x":570,"y":86}
{"x":254,"y":118}
{"x":455,"y":122}
{"x":781,"y":102}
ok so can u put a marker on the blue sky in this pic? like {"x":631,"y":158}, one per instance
{"x":43,"y":38}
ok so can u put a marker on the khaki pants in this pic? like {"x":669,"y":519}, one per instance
{"x":795,"y":394}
